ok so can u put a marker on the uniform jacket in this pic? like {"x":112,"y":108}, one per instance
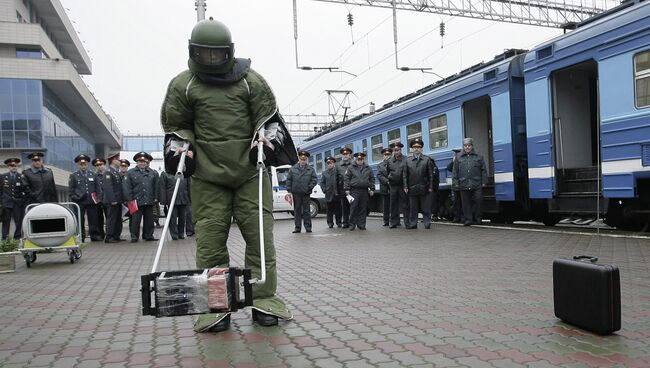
{"x":141,"y":185}
{"x":470,"y":172}
{"x":82,"y":186}
{"x":167,"y":184}
{"x":301,"y":180}
{"x":220,"y":118}
{"x":111,"y":186}
{"x":329,"y":184}
{"x":15,"y":191}
{"x":41,"y":185}
{"x":382,"y":175}
{"x":359,"y":177}
{"x":396,"y":170}
{"x":341,"y":167}
{"x":417,"y":175}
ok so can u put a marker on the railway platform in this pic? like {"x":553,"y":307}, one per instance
{"x":451,"y":296}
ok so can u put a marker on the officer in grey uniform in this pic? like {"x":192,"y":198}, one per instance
{"x":102,"y":212}
{"x":40,"y":180}
{"x":84,"y":190}
{"x":398,"y":198}
{"x":112,"y":199}
{"x":359,"y":183}
{"x":301,"y":180}
{"x":329,"y":185}
{"x":14,"y":193}
{"x":341,"y":167}
{"x":418,"y":185}
{"x":141,"y":184}
{"x":178,"y":208}
{"x":384,"y":187}
{"x":471,"y":176}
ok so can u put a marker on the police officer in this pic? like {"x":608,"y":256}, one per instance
{"x":178,"y":216}
{"x":14,"y":193}
{"x":471,"y":176}
{"x":141,"y":185}
{"x":398,"y":198}
{"x":384,"y":187}
{"x":301,"y":180}
{"x":102,"y":212}
{"x":341,"y":167}
{"x":456,"y":210}
{"x":329,"y":185}
{"x":220,"y":87}
{"x":359,"y":183}
{"x":84,"y":190}
{"x":40,"y":180}
{"x":112,"y":199}
{"x":418,"y":185}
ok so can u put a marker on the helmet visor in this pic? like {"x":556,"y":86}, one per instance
{"x":210,"y":55}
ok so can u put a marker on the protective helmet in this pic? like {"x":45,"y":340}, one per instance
{"x":211,"y":48}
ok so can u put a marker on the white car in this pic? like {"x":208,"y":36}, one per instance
{"x":280,"y":195}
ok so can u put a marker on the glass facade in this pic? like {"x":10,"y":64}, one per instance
{"x":20,"y":113}
{"x":143,"y":143}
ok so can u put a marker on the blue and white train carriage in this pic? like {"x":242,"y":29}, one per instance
{"x":588,"y":119}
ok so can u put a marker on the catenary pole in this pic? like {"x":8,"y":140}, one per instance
{"x":200,"y":10}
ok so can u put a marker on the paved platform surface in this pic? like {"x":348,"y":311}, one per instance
{"x":446,"y":297}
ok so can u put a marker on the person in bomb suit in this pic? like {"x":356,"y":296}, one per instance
{"x":470,"y":174}
{"x":341,"y":167}
{"x":221,"y":88}
{"x":398,"y":198}
{"x":40,"y":180}
{"x":141,"y":184}
{"x":84,"y":190}
{"x":360,"y":184}
{"x":14,"y":192}
{"x":329,"y":185}
{"x":384,"y":186}
{"x":301,"y":180}
{"x":418,"y":184}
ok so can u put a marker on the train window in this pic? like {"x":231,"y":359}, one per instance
{"x":319,"y":162}
{"x":413,"y":131}
{"x":487,"y":76}
{"x":545,"y":52}
{"x":642,"y":79}
{"x":394,"y":136}
{"x":364,"y":146}
{"x":438,"y":132}
{"x":377,"y":145}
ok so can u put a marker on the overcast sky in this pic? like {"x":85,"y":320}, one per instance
{"x":138,"y":46}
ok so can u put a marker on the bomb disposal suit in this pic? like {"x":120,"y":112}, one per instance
{"x":218,"y":105}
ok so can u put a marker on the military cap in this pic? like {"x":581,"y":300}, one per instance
{"x":81,"y":158}
{"x":141,"y":156}
{"x":396,"y":144}
{"x":386,"y":150}
{"x":303,"y":153}
{"x":345,"y":150}
{"x":416,"y":141}
{"x":330,"y":158}
{"x":98,"y":160}
{"x":468,"y":141}
{"x":12,"y":160}
{"x":359,"y":154}
{"x":113,"y":156}
{"x":34,"y":155}
{"x":125,"y":162}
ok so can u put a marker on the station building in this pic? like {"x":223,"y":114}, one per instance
{"x":44,"y":103}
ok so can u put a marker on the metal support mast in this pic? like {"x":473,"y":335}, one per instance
{"x":200,"y":9}
{"x":545,"y":13}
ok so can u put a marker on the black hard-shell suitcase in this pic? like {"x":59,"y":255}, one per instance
{"x":587,"y":294}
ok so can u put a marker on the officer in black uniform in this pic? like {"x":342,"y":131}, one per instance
{"x":85,"y":191}
{"x":341,"y":167}
{"x":398,"y":198}
{"x":329,"y":185}
{"x":102,"y":212}
{"x":178,"y":208}
{"x":112,"y":200}
{"x":359,"y":183}
{"x":14,"y":194}
{"x":418,"y":185}
{"x":156,"y":207}
{"x":141,"y":184}
{"x":40,"y":180}
{"x":124,"y":168}
{"x":384,"y":187}
{"x":301,"y":180}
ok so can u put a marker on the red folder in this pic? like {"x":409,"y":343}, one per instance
{"x":93,"y":195}
{"x":133,"y":206}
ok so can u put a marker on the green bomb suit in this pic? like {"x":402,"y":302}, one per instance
{"x":219,"y":115}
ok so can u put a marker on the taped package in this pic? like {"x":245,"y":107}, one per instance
{"x":218,"y":296}
{"x":182,"y":294}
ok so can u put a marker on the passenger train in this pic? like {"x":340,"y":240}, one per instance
{"x":564,"y":128}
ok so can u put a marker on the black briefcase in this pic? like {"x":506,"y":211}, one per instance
{"x":587,"y":294}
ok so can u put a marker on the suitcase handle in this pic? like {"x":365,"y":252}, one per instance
{"x":590,"y":258}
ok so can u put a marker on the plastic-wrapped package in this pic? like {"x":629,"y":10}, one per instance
{"x":218,"y":293}
{"x":182,"y":294}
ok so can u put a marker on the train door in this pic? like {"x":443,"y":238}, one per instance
{"x":477,"y":116}
{"x":575,"y":127}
